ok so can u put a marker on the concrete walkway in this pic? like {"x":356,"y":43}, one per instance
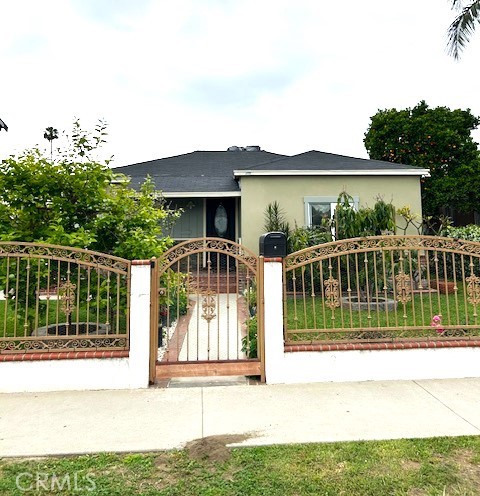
{"x":217,"y":339}
{"x":158,"y":419}
{"x":196,"y":338}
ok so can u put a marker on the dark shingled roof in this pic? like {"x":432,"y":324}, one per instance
{"x":314,"y":160}
{"x":212,"y":172}
{"x":200,"y":171}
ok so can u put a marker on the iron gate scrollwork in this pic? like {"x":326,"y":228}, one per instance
{"x":205,"y":305}
{"x":383,"y":289}
{"x":57,"y":298}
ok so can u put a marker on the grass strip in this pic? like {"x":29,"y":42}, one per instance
{"x":437,"y":466}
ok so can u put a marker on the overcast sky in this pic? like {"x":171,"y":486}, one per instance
{"x":174,"y":76}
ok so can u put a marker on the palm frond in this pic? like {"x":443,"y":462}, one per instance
{"x":457,"y":4}
{"x":462,"y":27}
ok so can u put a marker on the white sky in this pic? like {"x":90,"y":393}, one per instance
{"x":174,"y":76}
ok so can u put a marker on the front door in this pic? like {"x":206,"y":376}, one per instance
{"x":221,"y":224}
{"x":221,"y":218}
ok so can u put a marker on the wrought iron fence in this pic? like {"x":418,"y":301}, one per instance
{"x":205,"y":303}
{"x":55,"y":298}
{"x":383,"y":289}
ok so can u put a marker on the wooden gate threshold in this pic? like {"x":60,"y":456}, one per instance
{"x":210,"y":368}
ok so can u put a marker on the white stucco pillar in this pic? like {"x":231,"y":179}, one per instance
{"x":274,"y":350}
{"x":139,"y":324}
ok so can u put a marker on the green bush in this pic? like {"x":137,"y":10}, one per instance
{"x":251,"y":296}
{"x":305,"y":237}
{"x":470,"y":232}
{"x":249,"y":342}
{"x":173,"y":298}
{"x":351,"y":223}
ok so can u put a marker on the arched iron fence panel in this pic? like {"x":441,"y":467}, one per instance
{"x":57,"y":298}
{"x":383,"y":289}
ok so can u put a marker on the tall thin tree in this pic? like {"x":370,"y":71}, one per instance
{"x":50,"y":134}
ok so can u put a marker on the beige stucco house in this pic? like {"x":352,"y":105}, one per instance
{"x":225,"y":193}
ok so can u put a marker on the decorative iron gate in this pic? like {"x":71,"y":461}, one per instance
{"x":206,"y":310}
{"x":383,"y":289}
{"x":56,"y":298}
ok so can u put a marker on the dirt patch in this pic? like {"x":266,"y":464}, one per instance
{"x":162,"y":462}
{"x":415,"y":491}
{"x":410,"y":465}
{"x":165,"y":476}
{"x":468,"y":470}
{"x":214,"y":448}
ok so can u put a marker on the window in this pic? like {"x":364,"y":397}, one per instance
{"x":321,"y":207}
{"x":320,"y":211}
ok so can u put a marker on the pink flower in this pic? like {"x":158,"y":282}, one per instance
{"x":437,"y":323}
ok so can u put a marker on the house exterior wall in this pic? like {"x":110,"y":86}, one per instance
{"x":191,"y":222}
{"x":290,"y":191}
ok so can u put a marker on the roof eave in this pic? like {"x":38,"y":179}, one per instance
{"x":335,"y":172}
{"x":201,"y":194}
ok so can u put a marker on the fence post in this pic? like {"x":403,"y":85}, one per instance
{"x":139,"y":323}
{"x":273,"y":320}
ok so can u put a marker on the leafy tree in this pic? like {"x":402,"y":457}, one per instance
{"x":438,"y":139}
{"x":78,"y":201}
{"x":463,"y":26}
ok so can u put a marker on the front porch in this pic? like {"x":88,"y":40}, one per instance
{"x":211,"y":215}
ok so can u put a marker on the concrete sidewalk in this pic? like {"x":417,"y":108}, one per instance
{"x":36,"y":424}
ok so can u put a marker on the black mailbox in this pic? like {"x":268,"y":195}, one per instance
{"x":273,"y":244}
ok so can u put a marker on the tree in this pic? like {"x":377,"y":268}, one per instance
{"x":78,"y":201}
{"x":463,"y":26}
{"x":50,"y":134}
{"x":75,"y":201}
{"x":438,"y":139}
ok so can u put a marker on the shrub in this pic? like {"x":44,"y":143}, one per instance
{"x":351,"y":223}
{"x":250,"y":294}
{"x":275,"y":219}
{"x":304,"y":237}
{"x":249,"y":342}
{"x":174,"y":299}
{"x":470,"y":232}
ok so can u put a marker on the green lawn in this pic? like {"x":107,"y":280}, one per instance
{"x":441,"y":466}
{"x":314,"y":314}
{"x":12,"y":320}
